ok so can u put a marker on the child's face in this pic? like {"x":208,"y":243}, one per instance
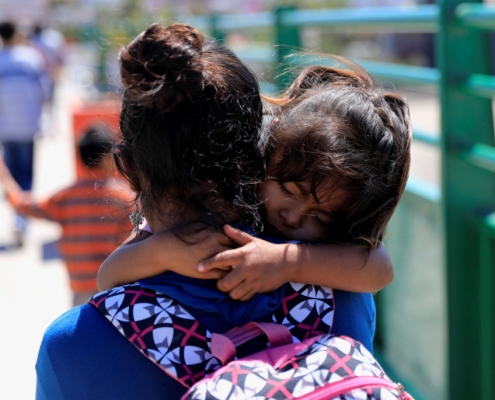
{"x":297,"y":216}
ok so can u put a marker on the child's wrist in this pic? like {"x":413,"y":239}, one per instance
{"x":151,"y":248}
{"x":291,"y":268}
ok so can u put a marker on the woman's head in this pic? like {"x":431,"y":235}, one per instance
{"x":337,"y":133}
{"x":190,"y":127}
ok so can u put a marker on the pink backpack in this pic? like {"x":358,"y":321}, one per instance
{"x":322,"y":367}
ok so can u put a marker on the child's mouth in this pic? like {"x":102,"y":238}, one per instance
{"x":274,"y":230}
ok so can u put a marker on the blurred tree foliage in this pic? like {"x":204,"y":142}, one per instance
{"x":119,"y":26}
{"x":115,"y":26}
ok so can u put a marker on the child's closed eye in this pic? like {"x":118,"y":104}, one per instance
{"x":323,"y":220}
{"x":284,"y":189}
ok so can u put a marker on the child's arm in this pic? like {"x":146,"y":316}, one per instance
{"x":260,"y":266}
{"x":22,"y":201}
{"x":14,"y":191}
{"x":147,"y":255}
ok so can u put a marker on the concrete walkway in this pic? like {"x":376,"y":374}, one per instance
{"x":34,"y":292}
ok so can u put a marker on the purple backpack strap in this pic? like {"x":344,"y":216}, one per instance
{"x":223,"y":346}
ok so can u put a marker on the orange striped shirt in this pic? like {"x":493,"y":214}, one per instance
{"x":94,"y":220}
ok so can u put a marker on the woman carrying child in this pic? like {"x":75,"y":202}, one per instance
{"x":191,"y":126}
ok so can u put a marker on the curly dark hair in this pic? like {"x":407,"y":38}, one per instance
{"x":190,"y":127}
{"x":334,"y":125}
{"x":94,"y":144}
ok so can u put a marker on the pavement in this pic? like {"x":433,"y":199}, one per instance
{"x":34,"y":289}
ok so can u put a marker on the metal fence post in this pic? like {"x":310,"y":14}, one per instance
{"x":286,"y":40}
{"x":215,"y":32}
{"x":465,"y":120}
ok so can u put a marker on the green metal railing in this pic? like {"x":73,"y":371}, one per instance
{"x":461,"y":212}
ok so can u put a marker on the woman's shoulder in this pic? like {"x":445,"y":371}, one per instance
{"x":356,"y":316}
{"x":82,"y":352}
{"x":73,"y":325}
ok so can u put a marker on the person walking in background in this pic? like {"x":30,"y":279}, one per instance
{"x":92,"y":212}
{"x":51,"y":43}
{"x":24,"y":88}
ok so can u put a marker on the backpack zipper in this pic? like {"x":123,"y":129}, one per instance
{"x":346,"y":385}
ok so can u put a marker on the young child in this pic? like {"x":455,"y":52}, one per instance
{"x":338,"y":161}
{"x":90,"y":212}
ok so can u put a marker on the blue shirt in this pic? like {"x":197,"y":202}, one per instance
{"x":24,"y":88}
{"x":83,"y":356}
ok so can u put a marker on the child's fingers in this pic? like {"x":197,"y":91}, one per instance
{"x":215,"y":274}
{"x":230,"y":281}
{"x":242,"y":292}
{"x":249,"y":296}
{"x":238,"y":236}
{"x":221,"y":260}
{"x":224,"y":240}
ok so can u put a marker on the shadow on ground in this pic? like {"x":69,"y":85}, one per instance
{"x":49,"y":249}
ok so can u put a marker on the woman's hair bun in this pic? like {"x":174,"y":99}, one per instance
{"x":163,"y":66}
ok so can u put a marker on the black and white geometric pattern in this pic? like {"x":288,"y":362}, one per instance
{"x":333,"y":367}
{"x":173,"y":339}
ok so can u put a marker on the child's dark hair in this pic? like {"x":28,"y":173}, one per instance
{"x":7,"y":30}
{"x":94,"y":144}
{"x":190,"y":126}
{"x":336,"y":126}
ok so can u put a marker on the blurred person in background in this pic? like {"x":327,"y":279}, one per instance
{"x":51,"y":43}
{"x":92,"y":212}
{"x":24,"y":88}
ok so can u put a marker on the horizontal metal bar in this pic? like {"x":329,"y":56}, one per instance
{"x":402,"y":73}
{"x":400,"y":19}
{"x":256,"y":54}
{"x":269,"y":89}
{"x":234,"y":22}
{"x":201,"y":22}
{"x":489,"y":221}
{"x":427,"y":138}
{"x":424,"y":189}
{"x":476,"y":15}
{"x":393,"y":72}
{"x":480,"y":85}
{"x":481,"y":155}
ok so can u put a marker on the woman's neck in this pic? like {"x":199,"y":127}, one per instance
{"x":168,"y":215}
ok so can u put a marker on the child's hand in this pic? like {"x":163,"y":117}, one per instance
{"x":10,"y":185}
{"x":3,"y":169}
{"x":146,"y":255}
{"x":257,"y":266}
{"x":185,"y":257}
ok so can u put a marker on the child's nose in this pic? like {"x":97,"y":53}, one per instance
{"x":291,"y":217}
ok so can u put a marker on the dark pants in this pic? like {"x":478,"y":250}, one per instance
{"x":19,"y":160}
